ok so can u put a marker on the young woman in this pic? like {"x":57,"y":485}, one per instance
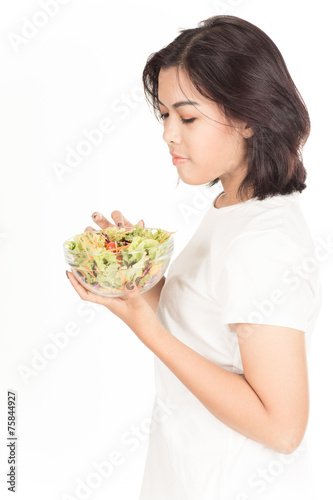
{"x":230,"y":324}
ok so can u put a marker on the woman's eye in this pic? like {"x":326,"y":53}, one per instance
{"x":189,"y":120}
{"x":163,"y":116}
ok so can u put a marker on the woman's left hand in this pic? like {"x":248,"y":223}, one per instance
{"x":133,"y":309}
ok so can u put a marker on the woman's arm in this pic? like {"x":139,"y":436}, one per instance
{"x":270,"y":405}
{"x":152,"y":296}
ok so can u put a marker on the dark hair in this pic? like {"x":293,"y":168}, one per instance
{"x":236,"y":65}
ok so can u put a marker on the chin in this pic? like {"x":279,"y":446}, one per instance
{"x":191,"y":180}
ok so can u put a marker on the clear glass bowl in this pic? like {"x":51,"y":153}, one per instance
{"x":146,"y":273}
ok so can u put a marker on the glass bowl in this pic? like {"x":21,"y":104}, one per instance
{"x":145,"y":266}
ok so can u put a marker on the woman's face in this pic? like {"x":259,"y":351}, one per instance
{"x":212,"y":148}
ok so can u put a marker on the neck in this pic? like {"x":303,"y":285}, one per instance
{"x":226,"y":199}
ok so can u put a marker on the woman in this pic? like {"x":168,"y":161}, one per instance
{"x":229,"y":326}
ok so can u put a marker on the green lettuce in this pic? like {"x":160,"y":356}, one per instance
{"x":99,"y":266}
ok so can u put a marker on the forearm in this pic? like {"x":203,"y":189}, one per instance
{"x":226,"y":395}
{"x":153,"y":295}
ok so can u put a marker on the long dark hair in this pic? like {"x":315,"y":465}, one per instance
{"x":236,"y":65}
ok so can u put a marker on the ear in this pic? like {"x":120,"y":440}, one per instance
{"x":247,"y":132}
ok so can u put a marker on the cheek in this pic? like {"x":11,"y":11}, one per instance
{"x":218,"y":145}
{"x":207,"y":139}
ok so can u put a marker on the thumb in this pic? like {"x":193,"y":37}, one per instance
{"x":132,"y":291}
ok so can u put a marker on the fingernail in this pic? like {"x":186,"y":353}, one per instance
{"x":142,"y":222}
{"x":96,"y":215}
{"x":130,"y":285}
{"x":67,"y":274}
{"x":120,"y":224}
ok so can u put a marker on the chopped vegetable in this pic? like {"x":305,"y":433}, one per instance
{"x":108,"y":258}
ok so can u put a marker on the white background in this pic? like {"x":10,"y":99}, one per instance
{"x":84,"y":66}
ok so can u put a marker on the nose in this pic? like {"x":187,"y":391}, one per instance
{"x":171,"y":133}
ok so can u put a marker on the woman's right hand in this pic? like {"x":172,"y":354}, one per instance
{"x":119,"y":219}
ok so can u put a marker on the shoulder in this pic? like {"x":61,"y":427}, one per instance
{"x":273,"y":226}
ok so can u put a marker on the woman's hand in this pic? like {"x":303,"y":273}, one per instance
{"x":119,"y":219}
{"x":132,"y":308}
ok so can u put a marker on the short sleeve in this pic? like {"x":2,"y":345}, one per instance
{"x":261,"y":280}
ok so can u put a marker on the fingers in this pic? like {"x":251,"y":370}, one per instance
{"x":83,"y":293}
{"x":86,"y":295}
{"x":118,"y":217}
{"x":90,"y":229}
{"x":101,"y":221}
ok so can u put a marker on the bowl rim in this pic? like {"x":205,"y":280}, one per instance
{"x":67,"y":250}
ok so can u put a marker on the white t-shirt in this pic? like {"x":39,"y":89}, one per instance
{"x":252,"y":262}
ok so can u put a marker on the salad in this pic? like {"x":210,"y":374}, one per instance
{"x":108,"y":258}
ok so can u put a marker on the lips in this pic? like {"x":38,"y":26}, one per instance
{"x":177,"y":156}
{"x":178,"y":160}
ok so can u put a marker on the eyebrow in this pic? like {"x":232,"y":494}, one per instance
{"x":180,"y":103}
